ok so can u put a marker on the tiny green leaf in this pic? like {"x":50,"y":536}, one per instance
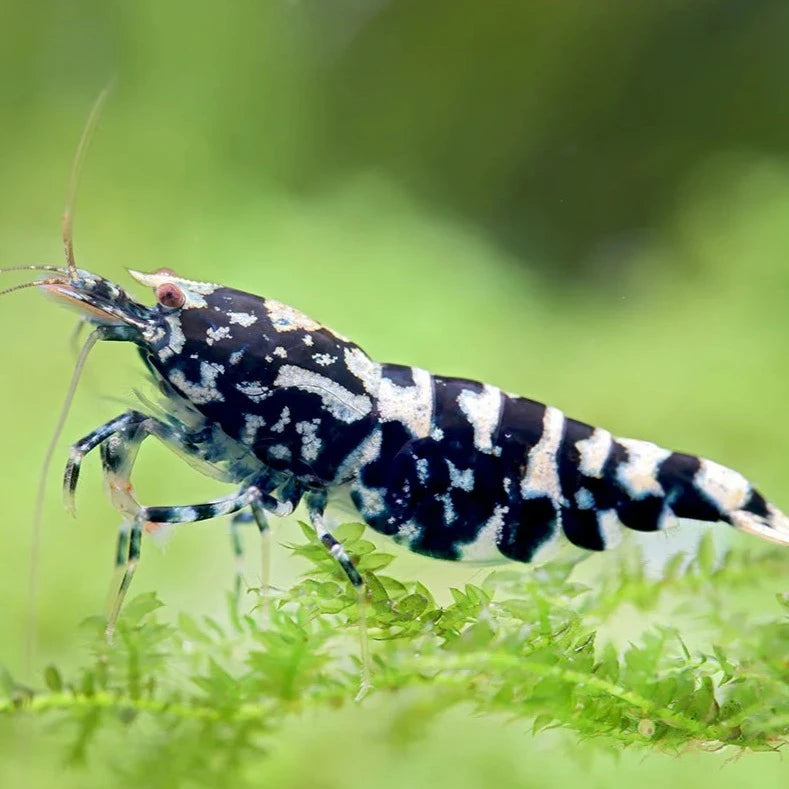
{"x":53,"y":679}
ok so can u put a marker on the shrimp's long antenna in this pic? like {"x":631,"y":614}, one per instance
{"x":35,"y":540}
{"x":59,"y":269}
{"x":76,"y":168}
{"x":67,"y":234}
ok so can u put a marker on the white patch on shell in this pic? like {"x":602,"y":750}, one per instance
{"x":460,"y":479}
{"x":594,"y":452}
{"x":254,"y":390}
{"x":215,"y":335}
{"x":371,"y":500}
{"x":311,"y":445}
{"x":422,"y":470}
{"x":324,"y":359}
{"x":286,"y":318}
{"x":411,"y":405}
{"x":727,"y":489}
{"x":437,"y":434}
{"x":279,"y":452}
{"x":336,"y":399}
{"x":236,"y":356}
{"x":450,"y":516}
{"x":584,"y":499}
{"x":365,"y":453}
{"x":638,"y":474}
{"x":484,"y":547}
{"x":483,"y":410}
{"x":542,"y":472}
{"x":176,"y":341}
{"x":205,"y":391}
{"x":283,"y":422}
{"x":364,"y":368}
{"x":407,"y":533}
{"x":244,"y":319}
{"x":252,"y":423}
{"x":281,"y":352}
{"x":307,"y":340}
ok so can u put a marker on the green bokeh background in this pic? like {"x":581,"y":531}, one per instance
{"x":583,"y":202}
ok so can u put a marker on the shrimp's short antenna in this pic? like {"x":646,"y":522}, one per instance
{"x":76,"y":167}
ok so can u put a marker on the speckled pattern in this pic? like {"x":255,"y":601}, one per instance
{"x":262,"y":395}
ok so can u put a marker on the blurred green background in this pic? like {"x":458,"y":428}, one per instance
{"x":583,"y":202}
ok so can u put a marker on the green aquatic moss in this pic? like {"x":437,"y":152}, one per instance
{"x":526,"y":644}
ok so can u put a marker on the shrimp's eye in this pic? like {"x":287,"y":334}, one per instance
{"x":169,"y":295}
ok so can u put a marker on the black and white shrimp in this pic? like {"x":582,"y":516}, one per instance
{"x":260,"y":395}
